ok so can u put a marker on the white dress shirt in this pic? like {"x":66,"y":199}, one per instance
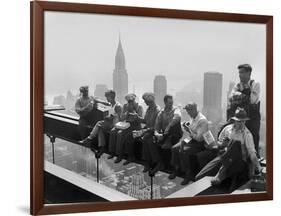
{"x":255,"y":90}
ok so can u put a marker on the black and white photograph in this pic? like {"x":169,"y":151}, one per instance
{"x":147,"y":108}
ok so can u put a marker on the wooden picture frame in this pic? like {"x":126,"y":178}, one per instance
{"x":37,"y":9}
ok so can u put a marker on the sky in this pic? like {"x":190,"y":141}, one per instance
{"x":80,"y":50}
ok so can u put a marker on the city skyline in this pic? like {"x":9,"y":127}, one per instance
{"x":129,"y":180}
{"x":192,"y":60}
{"x":181,"y":50}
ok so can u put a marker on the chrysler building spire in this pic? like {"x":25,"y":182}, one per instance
{"x":120,"y":76}
{"x":120,"y":57}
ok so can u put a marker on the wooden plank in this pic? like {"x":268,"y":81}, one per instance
{"x":243,"y":189}
{"x":193,"y":189}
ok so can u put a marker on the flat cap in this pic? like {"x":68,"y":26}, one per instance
{"x":130,"y":97}
{"x":84,"y":88}
{"x":148,"y":96}
{"x":191,"y":106}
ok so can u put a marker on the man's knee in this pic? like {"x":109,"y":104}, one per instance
{"x":176,"y":147}
{"x":113,"y":131}
{"x":119,"y":133}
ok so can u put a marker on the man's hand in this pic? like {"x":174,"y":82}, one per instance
{"x":253,"y":168}
{"x":213,"y":145}
{"x":90,"y":105}
{"x":158,"y":136}
{"x":225,"y":142}
{"x":191,"y":134}
{"x":166,"y":132}
{"x":259,"y":168}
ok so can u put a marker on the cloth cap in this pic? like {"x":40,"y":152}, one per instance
{"x":130,"y":97}
{"x":84,"y":88}
{"x":247,"y":67}
{"x":148,"y":96}
{"x":191,"y":106}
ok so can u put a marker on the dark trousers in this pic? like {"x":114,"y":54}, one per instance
{"x":83,"y":128}
{"x":204,"y":157}
{"x":129,"y":146}
{"x":254,"y":127}
{"x":150,"y":149}
{"x":184,"y":155}
{"x":231,"y":160}
{"x":99,"y":130}
{"x":210,"y":169}
{"x":118,"y":138}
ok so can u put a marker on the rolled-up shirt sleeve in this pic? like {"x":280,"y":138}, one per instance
{"x":233,"y":91}
{"x":177,"y":115}
{"x":223,"y":135}
{"x":249,"y":142}
{"x":176,"y":118}
{"x":201,"y":129}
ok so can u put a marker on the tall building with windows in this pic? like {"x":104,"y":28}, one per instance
{"x":100,"y":90}
{"x":146,"y":192}
{"x":136,"y":186}
{"x":120,"y":75}
{"x":139,"y":189}
{"x":212,"y":98}
{"x":160,"y":89}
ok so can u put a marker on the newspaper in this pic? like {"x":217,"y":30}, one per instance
{"x":208,"y":137}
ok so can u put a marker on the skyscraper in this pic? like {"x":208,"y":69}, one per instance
{"x":100,"y":90}
{"x":147,"y":192}
{"x":120,"y":75}
{"x":137,"y":185}
{"x":160,"y":89}
{"x":212,"y":99}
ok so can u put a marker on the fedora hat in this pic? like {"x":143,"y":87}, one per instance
{"x":240,"y":115}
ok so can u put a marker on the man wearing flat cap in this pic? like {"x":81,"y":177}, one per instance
{"x":185,"y":153}
{"x":131,"y":113}
{"x":83,"y":106}
{"x":146,"y":133}
{"x":246,"y":94}
{"x":239,"y":154}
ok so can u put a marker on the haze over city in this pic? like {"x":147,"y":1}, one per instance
{"x":80,"y":50}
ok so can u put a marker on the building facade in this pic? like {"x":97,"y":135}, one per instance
{"x":100,"y":90}
{"x":160,"y":89}
{"x":212,"y":98}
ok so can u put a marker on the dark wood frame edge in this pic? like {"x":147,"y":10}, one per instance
{"x":37,"y":9}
